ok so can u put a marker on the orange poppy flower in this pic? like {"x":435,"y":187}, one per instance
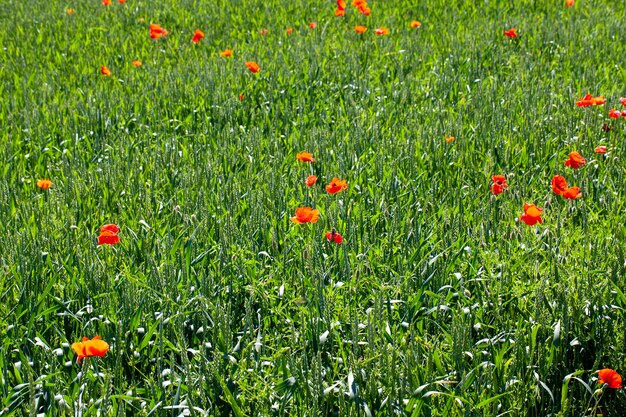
{"x":449,"y":139}
{"x":105,"y":71}
{"x":253,"y":66}
{"x":614,"y":114}
{"x":336,"y":185}
{"x":106,"y":2}
{"x":312,"y":25}
{"x":226,"y":53}
{"x":305,"y":215}
{"x":598,"y":101}
{"x":93,"y":347}
{"x":589,"y":100}
{"x":559,"y":184}
{"x":610,"y":377}
{"x":382,"y":31}
{"x":333,"y":236}
{"x":70,"y":11}
{"x":263,"y":32}
{"x":575,"y":160}
{"x":623,"y":101}
{"x":137,"y":63}
{"x":44,"y":184}
{"x":532,"y":214}
{"x":600,"y":149}
{"x":305,"y":157}
{"x":197,"y":36}
{"x":289,"y":31}
{"x":572,"y":193}
{"x":310,"y":180}
{"x":341,"y":4}
{"x":157,"y":32}
{"x":340,"y":12}
{"x":360,"y":29}
{"x":108,"y":235}
{"x":511,"y":33}
{"x":416,"y":24}
{"x":569,"y":3}
{"x":362,"y":6}
{"x":498,"y":184}
{"x":121,"y":1}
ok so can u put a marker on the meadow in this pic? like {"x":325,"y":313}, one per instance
{"x":439,"y":299}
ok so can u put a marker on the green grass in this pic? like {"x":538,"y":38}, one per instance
{"x":440,"y":301}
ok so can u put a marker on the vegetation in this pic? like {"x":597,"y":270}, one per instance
{"x":439,"y":301}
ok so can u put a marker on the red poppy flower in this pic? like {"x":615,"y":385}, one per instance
{"x":157,"y":32}
{"x":382,"y":31}
{"x":197,"y":36}
{"x":137,"y":63}
{"x":560,"y":187}
{"x":415,"y":24}
{"x":312,"y":25}
{"x":559,"y":184}
{"x":263,"y":32}
{"x":569,"y":3}
{"x":575,"y":160}
{"x":624,"y":113}
{"x":310,"y":180}
{"x":108,"y":235}
{"x":614,"y":114}
{"x":600,"y":149}
{"x":106,"y":2}
{"x":108,"y":238}
{"x":610,"y":377}
{"x":105,"y":71}
{"x":498,"y":184}
{"x":289,"y":31}
{"x":253,"y":66}
{"x":93,"y":347}
{"x":305,"y":157}
{"x":336,"y":185}
{"x":226,"y":53}
{"x":341,"y":8}
{"x":305,"y":215}
{"x":341,"y":4}
{"x":607,"y":128}
{"x":623,"y":101}
{"x":532,"y":214}
{"x":44,"y":184}
{"x":572,"y":193}
{"x":333,"y":236}
{"x":511,"y":33}
{"x":340,"y":12}
{"x":110,"y":228}
{"x":360,"y":29}
{"x":121,"y":1}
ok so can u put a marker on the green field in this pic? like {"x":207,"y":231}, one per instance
{"x":439,"y":301}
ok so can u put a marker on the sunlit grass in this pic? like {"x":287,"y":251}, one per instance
{"x":439,"y":301}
